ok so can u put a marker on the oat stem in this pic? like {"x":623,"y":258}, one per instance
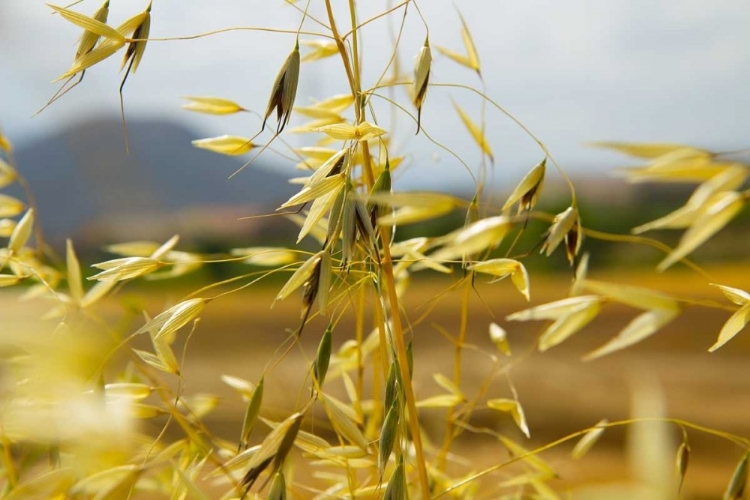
{"x":386,"y":264}
{"x":398,"y":337}
{"x":450,"y":417}
{"x":342,"y":51}
{"x":359,"y":314}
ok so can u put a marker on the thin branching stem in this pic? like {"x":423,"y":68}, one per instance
{"x":738,"y":440}
{"x":457,"y":358}
{"x":361,"y":25}
{"x":228,"y":30}
{"x":342,"y":52}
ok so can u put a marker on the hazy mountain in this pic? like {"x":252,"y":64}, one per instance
{"x":85,"y":181}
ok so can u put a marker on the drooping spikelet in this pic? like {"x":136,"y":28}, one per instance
{"x":284,"y":91}
{"x":421,"y":79}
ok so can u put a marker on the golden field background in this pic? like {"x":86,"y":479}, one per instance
{"x":560,"y":394}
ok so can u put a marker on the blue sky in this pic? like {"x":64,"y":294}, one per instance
{"x":573,"y":71}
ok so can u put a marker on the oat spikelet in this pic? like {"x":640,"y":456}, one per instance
{"x":388,"y":435}
{"x":89,"y":38}
{"x":681,"y":464}
{"x":133,"y":56}
{"x":284,"y":91}
{"x":421,"y":79}
{"x":322,"y":358}
{"x":251,"y":415}
{"x":566,"y":226}
{"x":88,"y":41}
{"x":736,"y":488}
{"x":528,"y":190}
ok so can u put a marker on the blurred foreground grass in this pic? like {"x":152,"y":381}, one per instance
{"x":560,"y":393}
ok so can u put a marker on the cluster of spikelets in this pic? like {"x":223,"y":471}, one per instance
{"x":61,"y":405}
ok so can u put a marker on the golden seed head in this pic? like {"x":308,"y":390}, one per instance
{"x":388,"y":434}
{"x":278,"y":487}
{"x":137,"y":48}
{"x":251,"y":414}
{"x":323,"y":357}
{"x":421,"y":78}
{"x":396,"y":489}
{"x":284,"y":91}
{"x":422,"y":73}
{"x":736,"y":488}
{"x":88,"y":38}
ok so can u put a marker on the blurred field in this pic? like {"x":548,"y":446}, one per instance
{"x":560,"y":393}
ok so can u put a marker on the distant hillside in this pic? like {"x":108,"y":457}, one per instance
{"x":85,"y":182}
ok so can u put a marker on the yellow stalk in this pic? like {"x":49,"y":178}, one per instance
{"x":451,"y":417}
{"x":386,"y":262}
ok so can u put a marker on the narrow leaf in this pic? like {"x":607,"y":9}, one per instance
{"x":447,"y":384}
{"x":212,"y":105}
{"x":471,"y":49}
{"x":739,"y":297}
{"x":74,"y":273}
{"x":320,"y":49}
{"x":441,"y":401}
{"x":735,"y":324}
{"x":10,"y":280}
{"x":300,"y":277}
{"x":554,"y":310}
{"x":100,"y":53}
{"x":476,"y":133}
{"x":589,"y":439}
{"x":457,"y":57}
{"x":344,"y":426}
{"x":717,"y":214}
{"x":641,"y":298}
{"x":640,"y":328}
{"x":311,"y":192}
{"x":125,"y":268}
{"x":482,"y":235}
{"x":568,"y":325}
{"x":645,"y":150}
{"x":89,"y":24}
{"x":9,"y":206}
{"x":318,"y":209}
{"x":22,"y":232}
{"x":499,"y":337}
{"x":166,"y":248}
{"x":231,"y":145}
{"x":514,"y":408}
{"x":251,"y":414}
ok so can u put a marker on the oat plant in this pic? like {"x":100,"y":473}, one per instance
{"x":76,"y":388}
